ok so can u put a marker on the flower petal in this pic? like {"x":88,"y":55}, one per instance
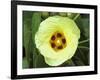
{"x":47,"y":28}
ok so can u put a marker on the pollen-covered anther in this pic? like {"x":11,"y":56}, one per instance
{"x":58,"y":41}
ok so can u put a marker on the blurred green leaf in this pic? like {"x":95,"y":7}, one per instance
{"x":53,"y":13}
{"x":82,"y":54}
{"x":30,"y":53}
{"x":25,"y":63}
{"x":72,"y":15}
{"x":83,"y":24}
{"x":81,"y":57}
{"x":26,"y":28}
{"x":64,"y":14}
{"x":27,"y":33}
{"x":35,"y":55}
{"x":39,"y":61}
{"x":36,"y":19}
{"x":83,"y":47}
{"x":45,"y":15}
{"x":69,"y":62}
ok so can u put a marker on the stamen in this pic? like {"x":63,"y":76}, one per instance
{"x":60,"y":47}
{"x":63,"y":41}
{"x":53,"y":37}
{"x":53,"y":45}
{"x":59,"y":35}
{"x":58,"y":41}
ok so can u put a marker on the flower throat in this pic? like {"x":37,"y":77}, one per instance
{"x":58,"y":41}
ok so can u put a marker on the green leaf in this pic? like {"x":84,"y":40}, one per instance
{"x":78,"y":61}
{"x":35,"y":55}
{"x":27,"y":33}
{"x":72,"y":15}
{"x":70,"y":63}
{"x":36,"y":19}
{"x":30,"y":49}
{"x":26,"y":28}
{"x":83,"y":24}
{"x":54,"y":13}
{"x":63,"y":14}
{"x":39,"y":61}
{"x":25,"y":63}
{"x":45,"y":15}
{"x":81,"y":57}
{"x":86,"y":27}
{"x":84,"y":54}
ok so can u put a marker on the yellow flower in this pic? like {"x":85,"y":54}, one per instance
{"x":57,"y":39}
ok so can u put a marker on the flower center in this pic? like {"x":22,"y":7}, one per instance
{"x":58,"y":41}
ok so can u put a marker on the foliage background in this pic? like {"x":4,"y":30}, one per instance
{"x":31,"y":55}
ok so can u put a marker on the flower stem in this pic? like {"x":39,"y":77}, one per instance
{"x":84,"y":41}
{"x":77,"y":15}
{"x":83,"y":47}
